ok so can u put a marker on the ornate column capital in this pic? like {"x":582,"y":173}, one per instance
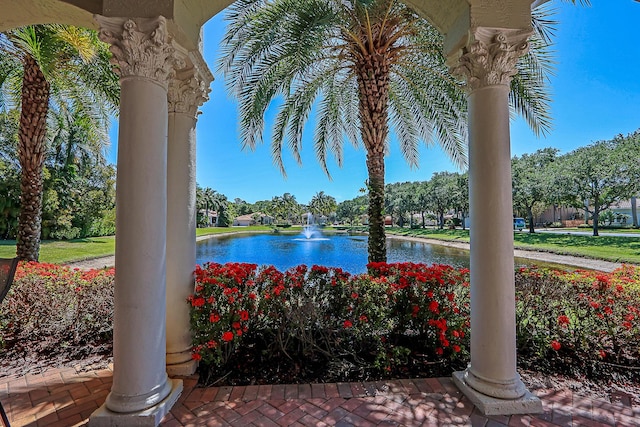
{"x":490,"y":57}
{"x":141,"y":47}
{"x":187,"y":91}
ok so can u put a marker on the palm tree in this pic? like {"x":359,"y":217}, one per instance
{"x":45,"y":67}
{"x":322,"y":204}
{"x":370,"y":68}
{"x":205,"y":199}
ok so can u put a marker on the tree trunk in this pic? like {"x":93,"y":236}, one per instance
{"x":377,"y":238}
{"x":530,"y":215}
{"x":31,"y":152}
{"x":596,"y":217}
{"x":634,"y":211}
{"x":372,"y":73}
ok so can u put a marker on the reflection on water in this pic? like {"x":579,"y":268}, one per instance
{"x":347,"y":252}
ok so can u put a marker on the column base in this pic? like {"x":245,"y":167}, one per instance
{"x":526,"y":404}
{"x":182,"y":369}
{"x":103,"y":417}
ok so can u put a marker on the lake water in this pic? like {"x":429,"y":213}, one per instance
{"x":347,"y":252}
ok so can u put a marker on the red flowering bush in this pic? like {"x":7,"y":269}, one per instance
{"x":403,"y":319}
{"x":323,"y":316}
{"x":429,"y":303}
{"x":224,"y":306}
{"x":582,"y":321}
{"x":54,"y":309}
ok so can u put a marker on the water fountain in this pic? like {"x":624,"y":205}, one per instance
{"x":310,"y":230}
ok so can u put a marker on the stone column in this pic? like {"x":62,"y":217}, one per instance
{"x":141,"y":393}
{"x":491,"y":380}
{"x":186,"y":92}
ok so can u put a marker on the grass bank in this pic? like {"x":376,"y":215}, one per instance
{"x":609,"y":248}
{"x":62,"y":251}
{"x":226,"y":230}
{"x":65,"y":251}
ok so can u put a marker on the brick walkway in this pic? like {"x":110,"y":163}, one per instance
{"x":64,"y":397}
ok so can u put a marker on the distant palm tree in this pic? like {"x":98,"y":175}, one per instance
{"x":322,"y":204}
{"x":46,"y":67}
{"x":370,"y":68}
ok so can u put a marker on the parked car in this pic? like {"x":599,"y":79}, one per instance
{"x":518,"y":224}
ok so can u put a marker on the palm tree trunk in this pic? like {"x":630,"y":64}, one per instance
{"x":634,"y":211}
{"x":373,"y":87}
{"x":31,"y":151}
{"x":377,"y":238}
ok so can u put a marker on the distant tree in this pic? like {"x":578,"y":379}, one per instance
{"x":532,"y":181}
{"x":9,"y":174}
{"x":208,"y":199}
{"x":441,"y":194}
{"x":461,"y":203}
{"x":240,"y":207}
{"x":286,"y":208}
{"x":422,"y":194}
{"x":596,"y":176}
{"x":322,"y":204}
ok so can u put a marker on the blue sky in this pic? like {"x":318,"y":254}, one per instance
{"x":595,"y":90}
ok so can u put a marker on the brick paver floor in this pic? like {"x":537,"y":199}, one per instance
{"x":64,"y":397}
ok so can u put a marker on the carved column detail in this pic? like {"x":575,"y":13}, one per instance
{"x":140,"y":47}
{"x":491,"y":58}
{"x":187,"y":94}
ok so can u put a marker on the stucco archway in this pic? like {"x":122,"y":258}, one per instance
{"x":157,"y":45}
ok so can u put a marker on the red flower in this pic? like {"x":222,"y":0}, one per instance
{"x":602,"y":354}
{"x":196,"y":356}
{"x":252,"y":295}
{"x":227,"y":336}
{"x":433,"y":307}
{"x":236,"y":325}
{"x":363,"y":318}
{"x":555,"y":345}
{"x":214,"y":317}
{"x":456,"y":348}
{"x":347,"y":324}
{"x":563,"y":320}
{"x":439,"y":351}
{"x":354,"y":295}
{"x":212,"y":344}
{"x":244,"y":315}
{"x":197,"y":302}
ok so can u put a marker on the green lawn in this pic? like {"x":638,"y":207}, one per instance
{"x":63,"y":251}
{"x":600,"y":230}
{"x":610,"y":248}
{"x":226,"y":230}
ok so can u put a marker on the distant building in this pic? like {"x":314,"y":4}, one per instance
{"x":256,"y":218}
{"x":210,"y":220}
